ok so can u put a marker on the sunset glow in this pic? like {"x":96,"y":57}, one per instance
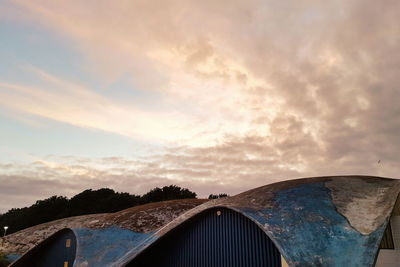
{"x":215,"y":96}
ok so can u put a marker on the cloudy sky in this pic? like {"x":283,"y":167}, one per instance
{"x":216,"y":96}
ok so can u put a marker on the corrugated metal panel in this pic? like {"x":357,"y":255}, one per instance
{"x":395,"y":224}
{"x":391,"y":237}
{"x":387,"y":239}
{"x":208,"y":240}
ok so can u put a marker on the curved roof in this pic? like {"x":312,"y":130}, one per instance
{"x":323,"y":221}
{"x":144,"y":218}
{"x":102,"y":238}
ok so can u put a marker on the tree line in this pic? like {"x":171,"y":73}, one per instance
{"x":87,"y":202}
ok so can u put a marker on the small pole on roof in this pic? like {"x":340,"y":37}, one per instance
{"x":5,"y":230}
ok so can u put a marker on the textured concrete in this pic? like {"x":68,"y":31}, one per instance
{"x":310,"y":232}
{"x":102,"y":247}
{"x":140,"y":219}
{"x":323,"y":221}
{"x":359,"y":200}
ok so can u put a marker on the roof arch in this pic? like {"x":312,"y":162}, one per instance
{"x":217,"y":236}
{"x":330,"y":221}
{"x":320,"y":221}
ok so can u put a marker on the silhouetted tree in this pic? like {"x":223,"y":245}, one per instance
{"x":99,"y":201}
{"x":168,"y":193}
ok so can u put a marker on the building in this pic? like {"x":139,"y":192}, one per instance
{"x":323,"y":221}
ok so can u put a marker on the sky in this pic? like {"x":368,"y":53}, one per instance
{"x":215,"y":96}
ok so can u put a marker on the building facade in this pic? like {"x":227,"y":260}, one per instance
{"x":321,"y":221}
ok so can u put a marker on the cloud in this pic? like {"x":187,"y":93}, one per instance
{"x":234,"y":166}
{"x":78,"y":105}
{"x":252,"y":91}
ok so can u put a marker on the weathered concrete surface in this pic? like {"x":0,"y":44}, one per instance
{"x":364,"y":202}
{"x":324,"y":221}
{"x":102,"y":247}
{"x":314,"y":221}
{"x":140,"y":219}
{"x":309,"y":231}
{"x":22,"y":241}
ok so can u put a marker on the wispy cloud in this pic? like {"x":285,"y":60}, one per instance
{"x":78,"y":105}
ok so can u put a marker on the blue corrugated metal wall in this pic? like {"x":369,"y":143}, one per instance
{"x":52,"y":252}
{"x":208,"y":240}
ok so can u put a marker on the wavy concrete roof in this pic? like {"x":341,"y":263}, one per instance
{"x":145,"y":218}
{"x":324,"y":221}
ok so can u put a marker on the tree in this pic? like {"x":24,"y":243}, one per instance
{"x":168,"y":193}
{"x":101,"y":200}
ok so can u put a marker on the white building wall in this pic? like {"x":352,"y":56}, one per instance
{"x":388,"y":258}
